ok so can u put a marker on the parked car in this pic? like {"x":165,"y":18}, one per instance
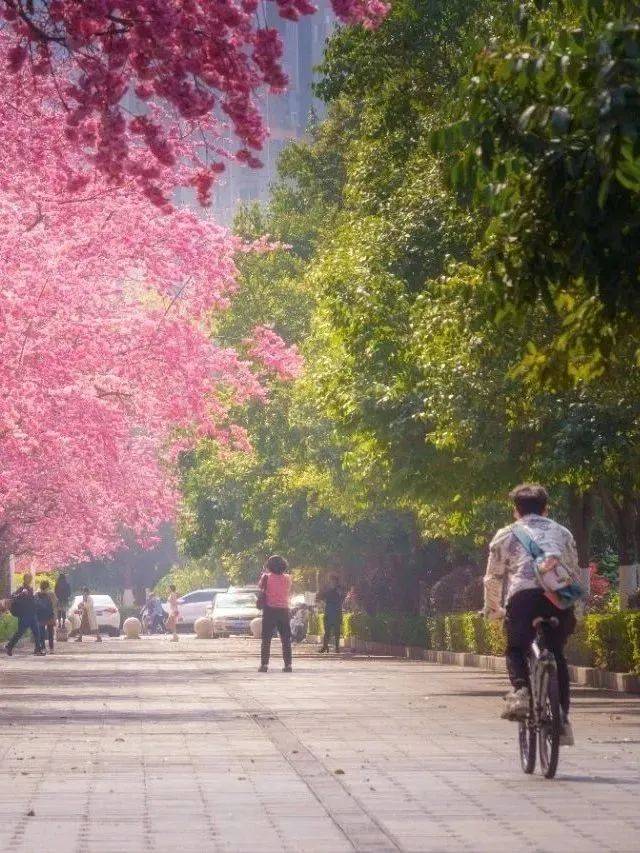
{"x":107,"y":613}
{"x":193,"y":605}
{"x":233,"y":612}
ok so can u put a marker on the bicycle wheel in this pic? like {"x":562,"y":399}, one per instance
{"x":550,"y":724}
{"x":527,"y":742}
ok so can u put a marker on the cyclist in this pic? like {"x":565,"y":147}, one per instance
{"x":512,"y":592}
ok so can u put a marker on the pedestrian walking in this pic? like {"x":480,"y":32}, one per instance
{"x":63,"y":595}
{"x":275,"y":591}
{"x":23,"y":607}
{"x":174,"y":613}
{"x":46,"y":607}
{"x":332,"y":596}
{"x":88,"y":621}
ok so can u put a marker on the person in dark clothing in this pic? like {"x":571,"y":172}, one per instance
{"x":46,"y":614}
{"x":23,"y":606}
{"x":63,"y":594}
{"x":333,"y":597}
{"x":275,"y":583}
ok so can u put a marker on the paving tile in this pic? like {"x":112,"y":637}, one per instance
{"x":155,"y":748}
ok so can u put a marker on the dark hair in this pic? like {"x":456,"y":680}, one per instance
{"x":530,"y":498}
{"x":276,"y":564}
{"x":86,"y":590}
{"x":44,"y":585}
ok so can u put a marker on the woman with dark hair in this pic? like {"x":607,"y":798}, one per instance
{"x":275,"y":586}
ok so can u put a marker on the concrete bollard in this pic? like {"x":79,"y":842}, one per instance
{"x":132,"y":628}
{"x":203,"y":628}
{"x":256,"y":627}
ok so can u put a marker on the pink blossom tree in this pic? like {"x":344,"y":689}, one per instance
{"x":153,"y":77}
{"x":107,"y":365}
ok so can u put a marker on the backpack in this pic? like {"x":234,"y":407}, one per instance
{"x":17,"y":606}
{"x":556,"y":581}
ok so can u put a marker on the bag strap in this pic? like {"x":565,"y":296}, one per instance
{"x":529,"y":544}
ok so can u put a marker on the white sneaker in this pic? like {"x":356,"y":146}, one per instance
{"x":566,"y":735}
{"x":517,"y":704}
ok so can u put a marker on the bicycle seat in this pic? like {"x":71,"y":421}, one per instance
{"x":546,"y":620}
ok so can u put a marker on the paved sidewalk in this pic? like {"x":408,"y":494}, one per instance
{"x":136,"y":747}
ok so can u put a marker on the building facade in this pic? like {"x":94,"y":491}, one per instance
{"x":287,"y":115}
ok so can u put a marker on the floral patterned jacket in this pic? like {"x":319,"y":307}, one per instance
{"x":510,"y":567}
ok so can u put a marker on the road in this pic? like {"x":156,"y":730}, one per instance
{"x":137,"y":747}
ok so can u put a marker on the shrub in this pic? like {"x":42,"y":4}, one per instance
{"x":316,"y":624}
{"x":496,"y":638}
{"x":578,"y":651}
{"x":454,"y":633}
{"x":383,"y":628}
{"x":475,"y":630}
{"x":360,"y":626}
{"x":608,"y":638}
{"x":412,"y":631}
{"x":633,"y":632}
{"x":8,"y":626}
{"x":435,"y":632}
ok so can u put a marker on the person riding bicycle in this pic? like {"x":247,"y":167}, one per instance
{"x":512,"y":591}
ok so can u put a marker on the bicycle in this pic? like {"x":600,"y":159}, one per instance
{"x":543,"y":724}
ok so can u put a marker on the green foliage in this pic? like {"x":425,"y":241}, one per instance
{"x":547,"y":141}
{"x":476,"y":633}
{"x":316,"y":624}
{"x":8,"y":626}
{"x":436,"y":632}
{"x":454,"y":634}
{"x":633,"y":630}
{"x":578,"y":650}
{"x":608,"y":638}
{"x":192,"y":575}
{"x":357,"y":625}
{"x":18,"y":579}
{"x":496,"y":638}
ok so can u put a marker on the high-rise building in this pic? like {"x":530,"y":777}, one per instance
{"x":287,"y":115}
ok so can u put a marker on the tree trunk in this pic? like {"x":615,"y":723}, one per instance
{"x":623,"y":516}
{"x":581,"y":517}
{"x":5,"y":575}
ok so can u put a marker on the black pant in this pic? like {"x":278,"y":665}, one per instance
{"x":276,"y":617}
{"x":46,"y":632}
{"x":62,"y":612}
{"x":24,"y":623}
{"x":332,"y":628}
{"x":522,"y":609}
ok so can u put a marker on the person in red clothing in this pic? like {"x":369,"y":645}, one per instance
{"x":275,"y":583}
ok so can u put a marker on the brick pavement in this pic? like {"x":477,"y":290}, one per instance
{"x":139,"y":747}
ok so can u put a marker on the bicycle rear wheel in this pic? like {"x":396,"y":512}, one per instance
{"x":550,"y":724}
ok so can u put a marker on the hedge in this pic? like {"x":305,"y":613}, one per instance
{"x":8,"y":626}
{"x":607,"y":636}
{"x":608,"y":640}
{"x":633,"y":630}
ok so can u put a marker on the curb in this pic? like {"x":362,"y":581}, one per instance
{"x":586,"y":676}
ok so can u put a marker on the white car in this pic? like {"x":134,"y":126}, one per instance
{"x":193,"y":605}
{"x":233,"y":612}
{"x":107,"y":613}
